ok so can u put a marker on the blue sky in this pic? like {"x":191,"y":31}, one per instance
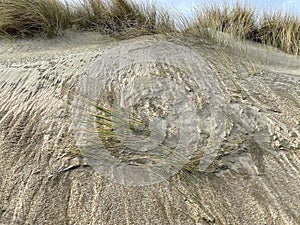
{"x":292,"y":6}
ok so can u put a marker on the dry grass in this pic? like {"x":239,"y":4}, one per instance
{"x":123,"y":18}
{"x":23,"y":18}
{"x":115,"y":18}
{"x":237,"y":21}
{"x":274,"y":29}
{"x":281,"y":31}
{"x":126,"y":19}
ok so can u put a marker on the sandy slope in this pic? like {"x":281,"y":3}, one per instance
{"x":247,"y":106}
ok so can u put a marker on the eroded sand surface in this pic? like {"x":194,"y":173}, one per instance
{"x":237,"y":158}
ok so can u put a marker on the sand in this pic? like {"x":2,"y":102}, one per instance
{"x":224,"y":129}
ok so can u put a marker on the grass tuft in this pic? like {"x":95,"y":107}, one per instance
{"x":281,"y":31}
{"x":121,"y":18}
{"x":238,"y":21}
{"x":23,"y":18}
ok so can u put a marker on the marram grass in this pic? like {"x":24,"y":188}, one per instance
{"x":126,"y":19}
{"x":281,"y":31}
{"x":120,"y":18}
{"x":273,"y":28}
{"x":23,"y":18}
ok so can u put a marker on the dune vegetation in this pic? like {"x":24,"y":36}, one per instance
{"x":126,"y":19}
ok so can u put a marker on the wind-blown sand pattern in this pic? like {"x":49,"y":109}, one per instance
{"x":242,"y":163}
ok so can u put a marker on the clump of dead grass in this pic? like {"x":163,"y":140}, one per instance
{"x":23,"y":18}
{"x":281,"y":31}
{"x":122,"y":18}
{"x":274,"y":29}
{"x":238,"y":21}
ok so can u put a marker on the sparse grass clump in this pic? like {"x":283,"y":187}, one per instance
{"x":121,"y":17}
{"x":281,"y":31}
{"x":274,"y":29}
{"x":23,"y":18}
{"x":238,"y":21}
{"x":126,"y":19}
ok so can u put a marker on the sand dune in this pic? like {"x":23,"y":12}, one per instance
{"x":227,"y":119}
